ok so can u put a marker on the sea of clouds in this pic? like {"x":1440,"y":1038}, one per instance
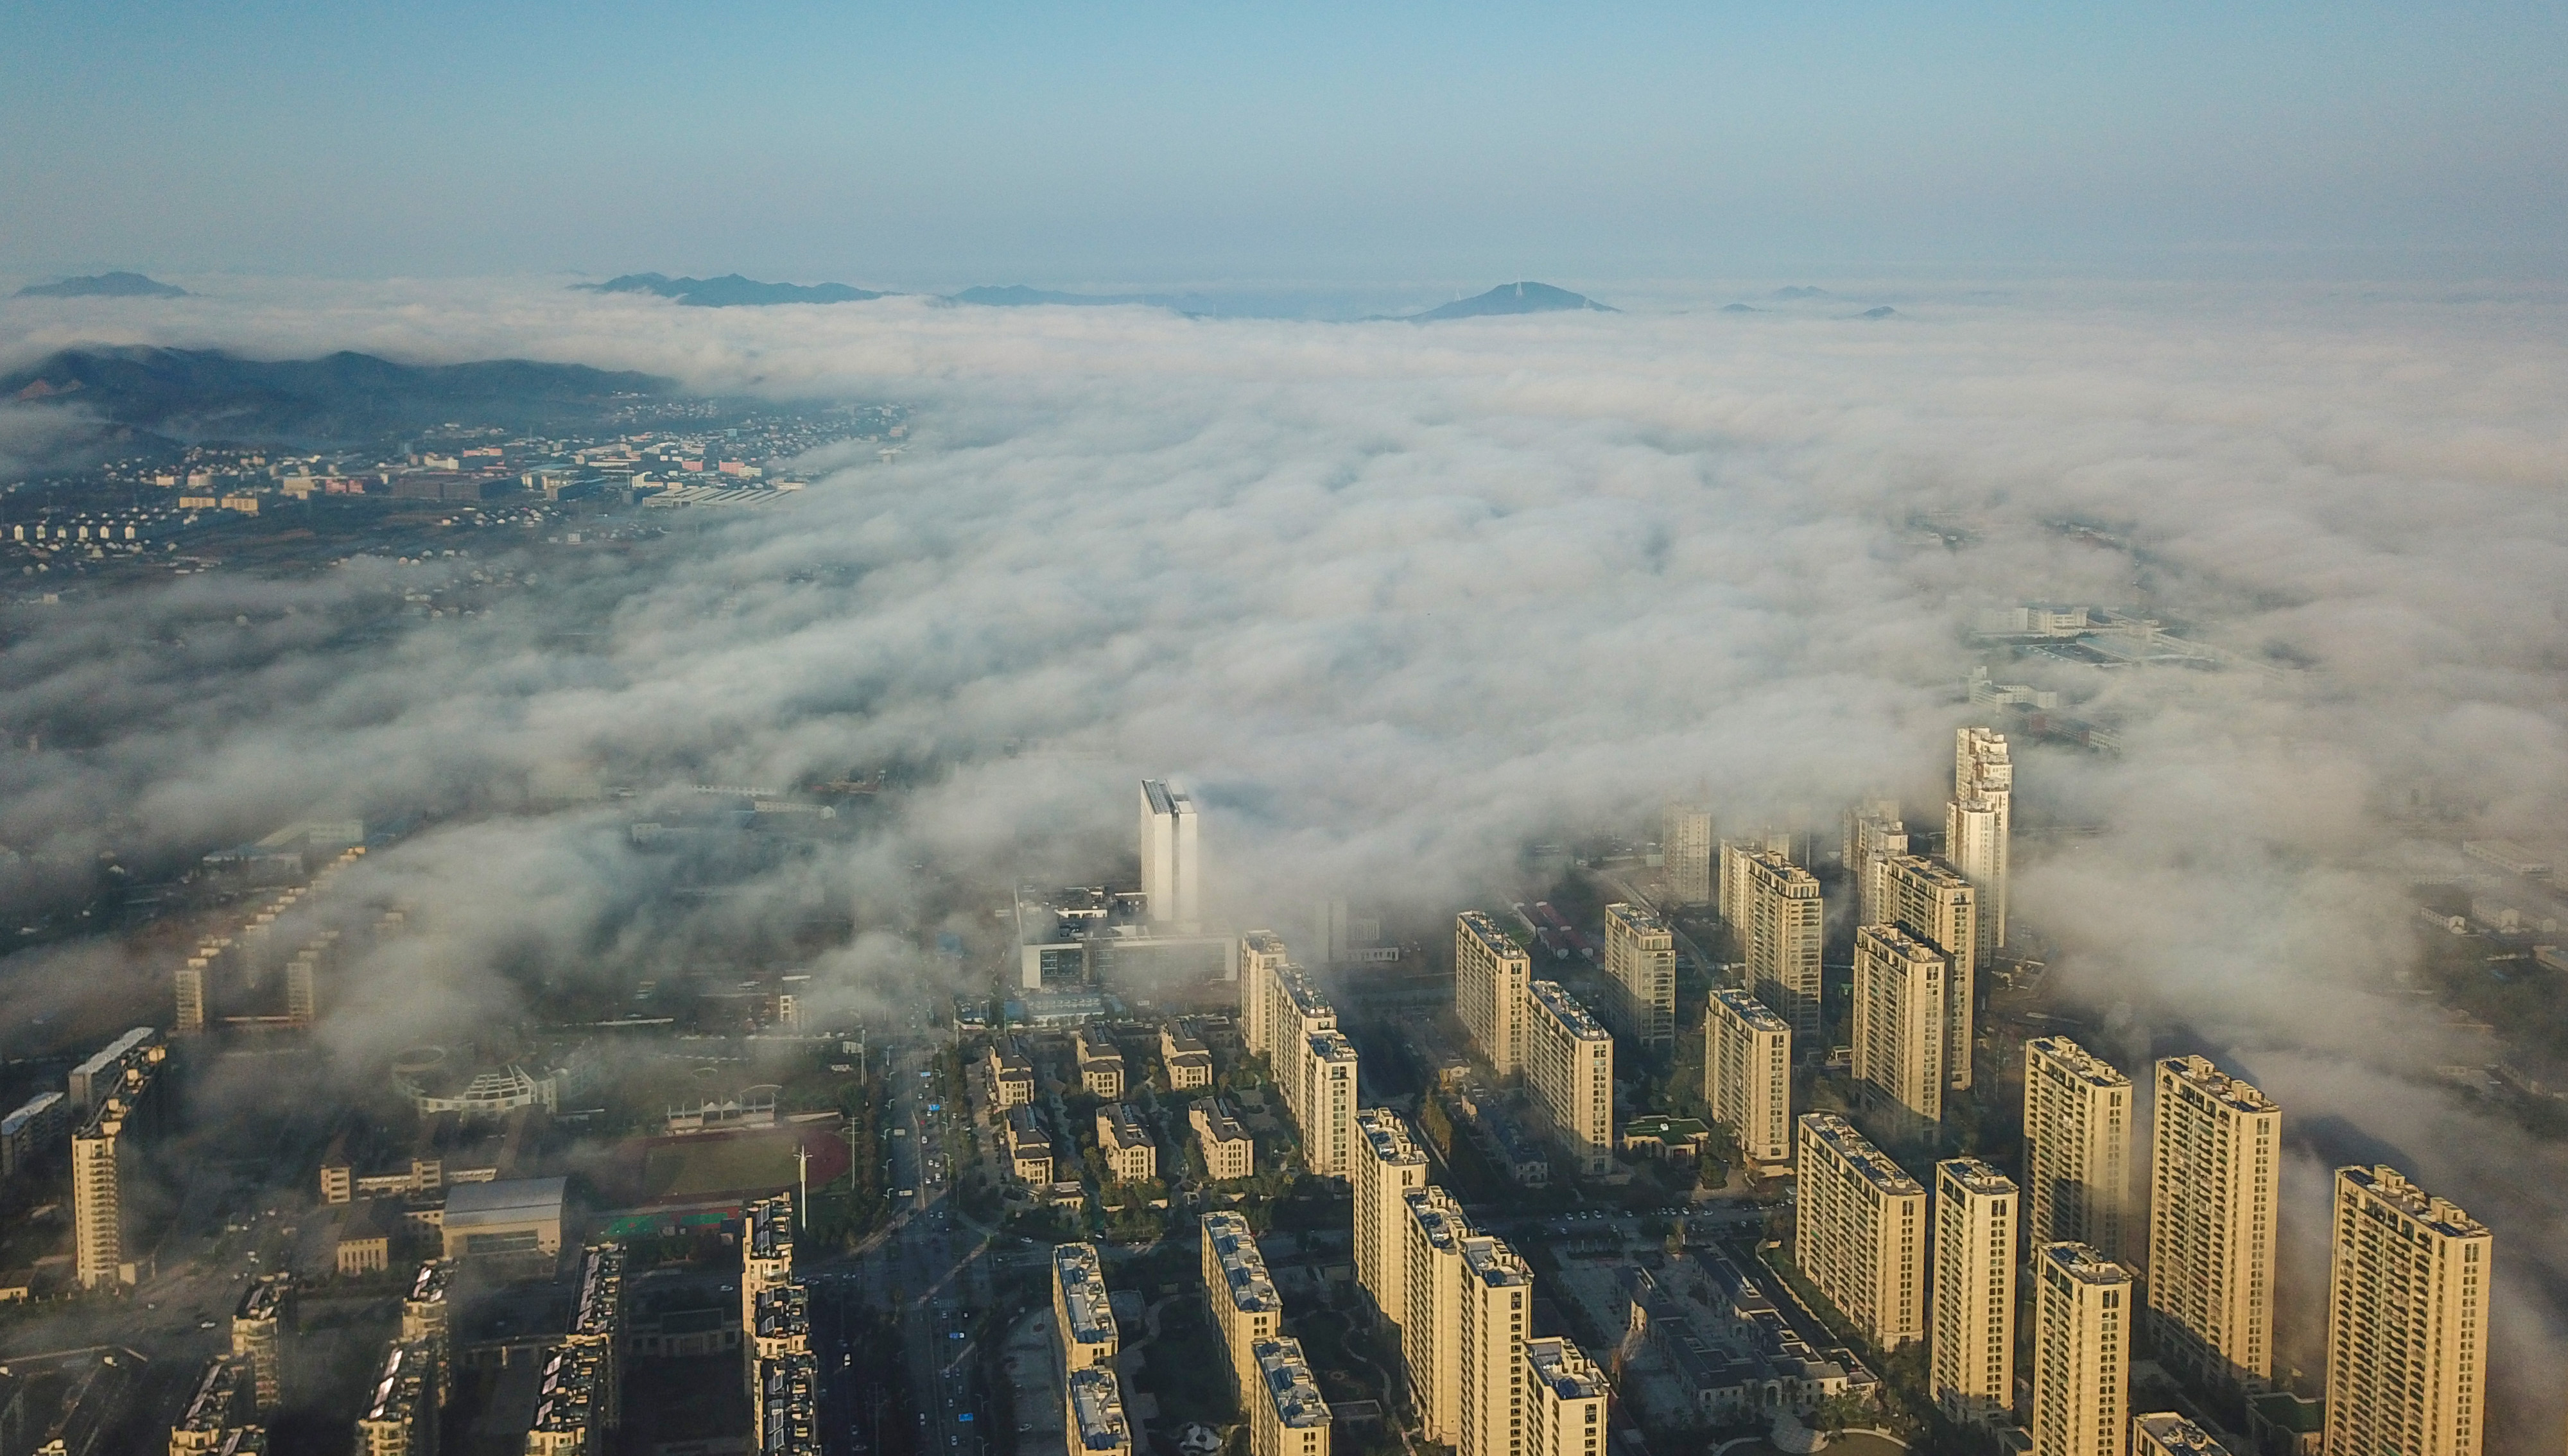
{"x":1396,"y":601}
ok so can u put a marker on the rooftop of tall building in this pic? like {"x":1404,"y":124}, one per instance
{"x":1776,"y":868}
{"x":1438,"y":1216}
{"x":2082,"y":1264}
{"x":1639,"y":919}
{"x":1289,"y":1383}
{"x":1560,"y":1366}
{"x":1868,"y":1162}
{"x":1974,"y":1175}
{"x":1332,"y":1046}
{"x":2200,"y":1075}
{"x":1243,"y":1264}
{"x":1750,"y":1010}
{"x":2176,"y":1433}
{"x":1388,"y":1135}
{"x":1486,"y":1258}
{"x":1083,"y":1298}
{"x":2078,"y":1061}
{"x":1565,"y":1008}
{"x":1096,"y":1400}
{"x":2441,"y":1215}
{"x":1897,"y":941}
{"x":1482,"y":928}
{"x":1930,"y":869}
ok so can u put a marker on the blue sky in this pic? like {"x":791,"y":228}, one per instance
{"x":1166,"y":144}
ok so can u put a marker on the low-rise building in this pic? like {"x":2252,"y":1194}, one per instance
{"x":1012,"y":1076}
{"x":1659,"y":1136}
{"x":505,"y":1218}
{"x":1029,"y":1147}
{"x":365,"y":1240}
{"x":1188,"y":1061}
{"x":1100,"y":1065}
{"x":1228,"y":1152}
{"x":1126,"y":1146}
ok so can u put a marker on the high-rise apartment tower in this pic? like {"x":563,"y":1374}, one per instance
{"x":1976,"y":825}
{"x":1860,"y":1231}
{"x":1748,"y":1075}
{"x":1641,"y":977}
{"x":1972,"y":1361}
{"x":1490,"y":973}
{"x":2215,"y":1169}
{"x":1684,"y":842}
{"x":1569,"y":1065}
{"x":1934,"y":901}
{"x":2408,"y":1326}
{"x":1898,"y":1031}
{"x":2077,"y":1148}
{"x":2081,"y":1352}
{"x":1388,"y":1166}
{"x":1171,"y":861}
{"x":1874,"y":834}
{"x":1779,"y":928}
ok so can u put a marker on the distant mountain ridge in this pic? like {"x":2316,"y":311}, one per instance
{"x":1514,"y":298}
{"x":105,"y":285}
{"x":728,"y":291}
{"x":206,"y":394}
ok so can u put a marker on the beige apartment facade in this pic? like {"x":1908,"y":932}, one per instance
{"x":1431,"y":1344}
{"x":1748,"y":1075}
{"x":1388,"y":1166}
{"x":1131,"y":1153}
{"x":1898,"y":1030}
{"x":1497,"y":1306}
{"x":2407,"y":1321}
{"x":1640,"y":976}
{"x":1565,"y":1404}
{"x":1978,"y":823}
{"x":1779,"y":932}
{"x":1569,"y":1065}
{"x":1686,"y":852}
{"x":1972,"y":1358}
{"x":1939,"y":905}
{"x":1228,"y":1152}
{"x":1325,"y":1110}
{"x":2215,"y":1158}
{"x":1874,"y":835}
{"x":1245,"y":1306}
{"x":1860,"y":1232}
{"x":1490,"y":973}
{"x":2081,"y":1352}
{"x":1262,"y":957}
{"x":1286,"y":1416}
{"x":2078,"y":1118}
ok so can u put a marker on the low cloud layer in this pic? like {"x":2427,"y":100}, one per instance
{"x":1394,"y":601}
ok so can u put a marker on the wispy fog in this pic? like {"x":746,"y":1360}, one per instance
{"x":1396,"y":601}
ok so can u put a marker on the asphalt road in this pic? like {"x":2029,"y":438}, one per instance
{"x":929,"y":1272}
